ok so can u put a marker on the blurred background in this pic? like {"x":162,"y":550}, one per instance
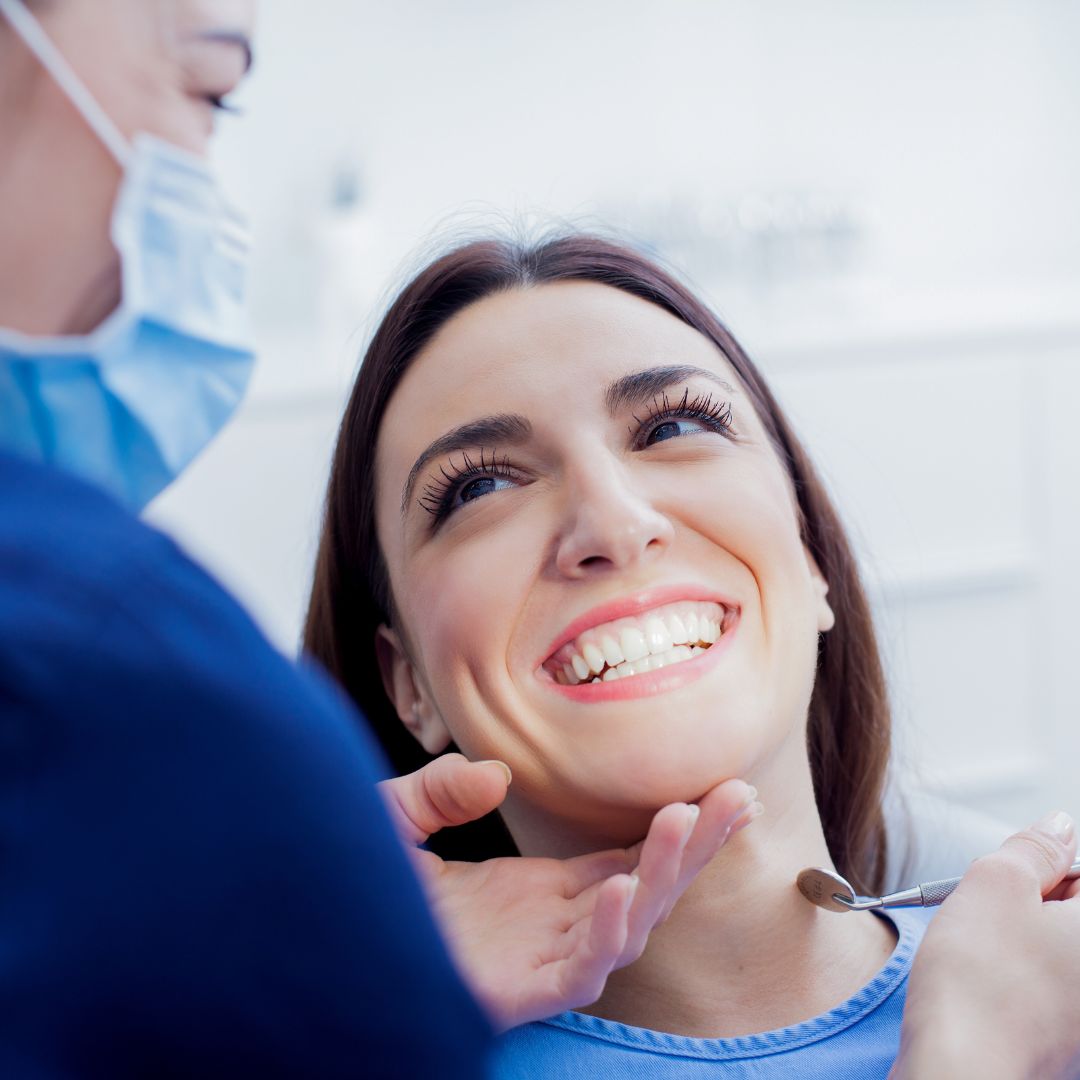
{"x":882,"y":200}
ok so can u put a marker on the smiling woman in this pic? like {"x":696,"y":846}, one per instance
{"x":569,"y":528}
{"x":469,"y":291}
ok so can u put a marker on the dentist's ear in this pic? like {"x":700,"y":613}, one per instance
{"x":825,"y":616}
{"x":412,"y":705}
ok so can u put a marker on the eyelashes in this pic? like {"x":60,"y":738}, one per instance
{"x":220,"y":103}
{"x":473,"y":477}
{"x":438,"y":497}
{"x":703,"y":409}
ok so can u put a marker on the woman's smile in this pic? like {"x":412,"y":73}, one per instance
{"x":624,"y":641}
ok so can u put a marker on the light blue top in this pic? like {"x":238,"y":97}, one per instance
{"x":858,"y":1039}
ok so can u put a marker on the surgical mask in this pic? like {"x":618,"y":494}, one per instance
{"x":129,"y":405}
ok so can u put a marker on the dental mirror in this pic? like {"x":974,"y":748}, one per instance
{"x":827,"y":889}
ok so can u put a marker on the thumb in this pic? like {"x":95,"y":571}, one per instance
{"x":1038,"y":857}
{"x":450,"y":790}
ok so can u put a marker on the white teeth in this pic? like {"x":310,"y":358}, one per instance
{"x":632,"y":647}
{"x":594,"y":658}
{"x":657,"y":636}
{"x":632,"y":643}
{"x":610,"y":648}
{"x":679,"y":636}
{"x":650,"y":663}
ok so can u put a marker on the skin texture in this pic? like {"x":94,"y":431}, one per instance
{"x":152,"y":69}
{"x":593,"y":511}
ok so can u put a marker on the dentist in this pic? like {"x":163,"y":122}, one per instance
{"x":197,"y":874}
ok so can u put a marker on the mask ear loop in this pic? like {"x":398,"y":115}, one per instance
{"x":52,"y":60}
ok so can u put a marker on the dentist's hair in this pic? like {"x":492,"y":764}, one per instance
{"x":848,"y":729}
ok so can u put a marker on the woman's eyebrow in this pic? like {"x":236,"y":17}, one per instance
{"x":511,"y":428}
{"x":641,"y":387}
{"x":230,"y":37}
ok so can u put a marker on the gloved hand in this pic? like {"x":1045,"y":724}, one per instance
{"x":995,"y":988}
{"x":536,"y":936}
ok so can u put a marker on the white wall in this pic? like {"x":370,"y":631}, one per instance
{"x":881,"y":200}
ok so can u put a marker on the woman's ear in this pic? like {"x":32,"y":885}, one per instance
{"x":413,"y":706}
{"x":825,"y":617}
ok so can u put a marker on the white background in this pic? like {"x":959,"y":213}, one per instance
{"x":881,"y":199}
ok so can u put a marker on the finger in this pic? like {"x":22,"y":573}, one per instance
{"x":720,"y":810}
{"x":725,"y":806}
{"x":579,"y":978}
{"x":725,"y":810}
{"x":1031,"y":863}
{"x":451,"y":790}
{"x":658,"y":870}
{"x":1069,"y":889}
{"x":584,"y":872}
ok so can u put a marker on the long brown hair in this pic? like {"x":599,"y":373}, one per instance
{"x":848,"y":726}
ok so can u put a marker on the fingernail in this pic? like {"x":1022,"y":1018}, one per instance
{"x":502,"y":765}
{"x":1058,"y":825}
{"x":754,"y":810}
{"x":695,"y":813}
{"x":751,"y":792}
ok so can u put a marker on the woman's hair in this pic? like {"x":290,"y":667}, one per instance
{"x":848,"y":725}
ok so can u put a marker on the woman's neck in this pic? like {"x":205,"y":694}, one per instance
{"x":743,"y":951}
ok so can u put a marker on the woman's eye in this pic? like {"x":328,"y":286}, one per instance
{"x":480,"y":486}
{"x":220,"y":103}
{"x":672,"y":429}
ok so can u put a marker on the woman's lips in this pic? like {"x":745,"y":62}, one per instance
{"x":646,"y":643}
{"x":650,"y":683}
{"x":638,"y":643}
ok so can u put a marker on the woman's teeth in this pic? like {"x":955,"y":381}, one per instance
{"x":632,"y":646}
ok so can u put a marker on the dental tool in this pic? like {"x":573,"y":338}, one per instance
{"x":828,"y":890}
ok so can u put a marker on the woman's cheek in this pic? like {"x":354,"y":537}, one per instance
{"x":464,"y":609}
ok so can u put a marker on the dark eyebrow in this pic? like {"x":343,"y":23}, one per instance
{"x":641,"y":387}
{"x":231,"y":37}
{"x":628,"y":391}
{"x":505,"y":428}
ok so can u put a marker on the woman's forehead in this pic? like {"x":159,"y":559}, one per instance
{"x":526,"y":347}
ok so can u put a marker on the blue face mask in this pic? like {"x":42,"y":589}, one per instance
{"x":130,"y":404}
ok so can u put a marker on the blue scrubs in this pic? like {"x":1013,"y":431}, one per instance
{"x":196,"y":875}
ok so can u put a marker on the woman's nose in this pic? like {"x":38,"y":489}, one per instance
{"x":610,"y":524}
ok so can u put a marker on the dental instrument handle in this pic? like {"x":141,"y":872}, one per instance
{"x":932,"y":893}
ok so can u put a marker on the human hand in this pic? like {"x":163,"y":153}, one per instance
{"x":995,"y":988}
{"x":534,"y":936}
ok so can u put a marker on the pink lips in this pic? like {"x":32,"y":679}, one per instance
{"x":650,"y":682}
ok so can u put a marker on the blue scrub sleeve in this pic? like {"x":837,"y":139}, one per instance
{"x":197,"y":877}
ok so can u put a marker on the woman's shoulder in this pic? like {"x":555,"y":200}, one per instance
{"x":860,"y":1035}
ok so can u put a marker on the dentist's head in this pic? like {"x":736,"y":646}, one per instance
{"x":123,"y":339}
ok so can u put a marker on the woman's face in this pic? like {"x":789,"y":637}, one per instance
{"x":153,"y":65}
{"x":595,"y":558}
{"x":156,"y":66}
